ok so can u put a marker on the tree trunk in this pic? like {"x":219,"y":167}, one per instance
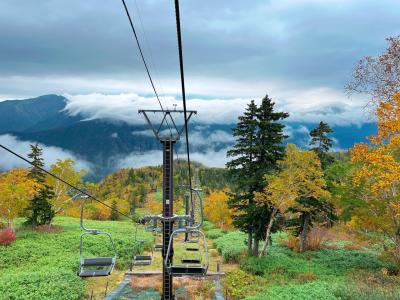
{"x":268,"y":233}
{"x":304,"y":231}
{"x":255,"y":246}
{"x":249,"y":241}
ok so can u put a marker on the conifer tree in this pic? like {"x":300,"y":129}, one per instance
{"x":259,"y":145}
{"x":114,"y":211}
{"x":39,"y":211}
{"x":322,"y":143}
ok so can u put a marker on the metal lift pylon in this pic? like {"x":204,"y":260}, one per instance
{"x":167,"y":138}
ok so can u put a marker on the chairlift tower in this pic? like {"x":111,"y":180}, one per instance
{"x":167,"y":138}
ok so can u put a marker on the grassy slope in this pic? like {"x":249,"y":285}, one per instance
{"x":324,"y":274}
{"x":44,"y":265}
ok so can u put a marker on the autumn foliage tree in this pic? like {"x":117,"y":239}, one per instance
{"x":300,"y":178}
{"x":216,"y":208}
{"x":17,"y":189}
{"x":64,"y":169}
{"x":378,"y":173}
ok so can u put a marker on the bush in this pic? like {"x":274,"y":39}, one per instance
{"x":366,"y":292}
{"x":44,"y":266}
{"x":240,"y":284}
{"x":231,"y":246}
{"x":315,"y":238}
{"x":7,"y":236}
{"x":48,"y":284}
{"x":207,"y":225}
{"x":316,"y":290}
{"x":216,"y":233}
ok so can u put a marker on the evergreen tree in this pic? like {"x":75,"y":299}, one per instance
{"x":259,"y":144}
{"x":39,"y":211}
{"x":132,"y":201}
{"x":114,"y":216}
{"x":322,"y":143}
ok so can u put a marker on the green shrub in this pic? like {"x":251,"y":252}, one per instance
{"x":328,"y":262}
{"x":240,"y":284}
{"x":216,"y":233}
{"x":366,"y":292}
{"x":316,"y":290}
{"x":207,"y":225}
{"x":46,"y":284}
{"x":231,"y":246}
{"x":44,"y":265}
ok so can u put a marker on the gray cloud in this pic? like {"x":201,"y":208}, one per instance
{"x":298,"y":43}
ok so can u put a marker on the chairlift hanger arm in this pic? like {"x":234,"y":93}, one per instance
{"x":164,"y":119}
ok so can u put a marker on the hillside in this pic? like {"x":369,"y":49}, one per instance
{"x":107,"y":145}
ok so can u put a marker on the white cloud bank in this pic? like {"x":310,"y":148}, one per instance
{"x":50,"y":154}
{"x":209,"y":158}
{"x":309,"y":106}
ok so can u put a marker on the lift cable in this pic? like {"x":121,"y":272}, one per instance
{"x":141,"y":53}
{"x":179,"y":34}
{"x":65,"y":182}
{"x":153,"y":64}
{"x":144,"y":60}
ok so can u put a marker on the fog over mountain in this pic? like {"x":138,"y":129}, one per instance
{"x":105,"y":132}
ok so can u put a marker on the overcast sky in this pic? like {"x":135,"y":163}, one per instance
{"x":300,"y":52}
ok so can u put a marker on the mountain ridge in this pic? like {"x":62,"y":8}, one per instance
{"x":101,"y":141}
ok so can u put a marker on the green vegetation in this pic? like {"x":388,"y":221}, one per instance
{"x":232,"y":246}
{"x":329,"y":273}
{"x":40,"y":265}
{"x":216,"y":233}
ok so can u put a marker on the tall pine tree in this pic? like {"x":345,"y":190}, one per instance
{"x":39,"y":211}
{"x":259,"y":144}
{"x":322,"y":143}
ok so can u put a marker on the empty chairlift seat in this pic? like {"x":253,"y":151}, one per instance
{"x":192,"y":249}
{"x":190,"y":261}
{"x":95,"y":266}
{"x":98,"y":266}
{"x":142,"y":260}
{"x":189,"y":266}
{"x":187,"y":270}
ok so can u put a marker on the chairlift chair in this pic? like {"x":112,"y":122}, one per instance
{"x":140,"y":260}
{"x":188,"y":266}
{"x":95,"y":266}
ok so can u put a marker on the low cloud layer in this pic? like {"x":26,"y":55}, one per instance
{"x":154,"y":158}
{"x":308,"y":106}
{"x":50,"y":154}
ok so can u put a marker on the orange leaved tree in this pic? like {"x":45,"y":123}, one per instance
{"x":378,"y":173}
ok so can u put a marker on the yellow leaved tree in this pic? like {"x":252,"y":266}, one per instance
{"x":378,"y":173}
{"x":216,"y":209}
{"x":64,"y":169}
{"x":300,"y":177}
{"x":16,"y":191}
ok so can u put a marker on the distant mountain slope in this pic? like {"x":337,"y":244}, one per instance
{"x":20,"y":115}
{"x":95,"y":138}
{"x":105,"y":143}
